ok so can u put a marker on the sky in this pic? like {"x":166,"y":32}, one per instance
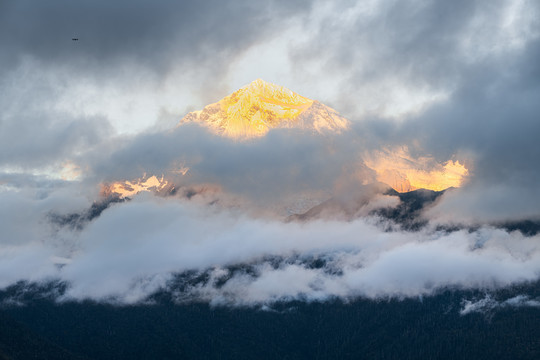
{"x":449,"y":80}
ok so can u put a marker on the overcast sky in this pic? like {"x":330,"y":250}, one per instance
{"x":448,"y":79}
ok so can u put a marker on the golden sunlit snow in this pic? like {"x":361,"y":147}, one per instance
{"x":259,"y":106}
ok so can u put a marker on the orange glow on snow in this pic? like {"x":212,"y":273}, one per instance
{"x":403,"y":173}
{"x":129,"y":188}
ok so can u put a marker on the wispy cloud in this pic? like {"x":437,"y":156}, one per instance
{"x":489,"y":304}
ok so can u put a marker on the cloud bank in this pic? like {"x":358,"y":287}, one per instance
{"x":453,"y":81}
{"x":136,"y":248}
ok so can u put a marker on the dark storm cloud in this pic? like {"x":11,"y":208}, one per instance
{"x":494,"y":118}
{"x":157,"y":35}
{"x":493,"y":113}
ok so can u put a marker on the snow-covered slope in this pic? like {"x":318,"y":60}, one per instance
{"x":259,"y":106}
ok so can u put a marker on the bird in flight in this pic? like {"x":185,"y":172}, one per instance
{"x":75,"y":39}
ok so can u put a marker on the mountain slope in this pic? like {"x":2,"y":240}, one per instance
{"x":18,"y":342}
{"x":431,"y":327}
{"x":260,"y":106}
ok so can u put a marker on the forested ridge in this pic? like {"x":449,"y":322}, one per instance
{"x":431,"y":327}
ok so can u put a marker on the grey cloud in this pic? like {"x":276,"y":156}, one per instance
{"x":281,"y":164}
{"x":40,"y":140}
{"x":413,"y":43}
{"x":494,"y":120}
{"x":33,"y":134}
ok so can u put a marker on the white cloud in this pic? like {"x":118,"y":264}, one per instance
{"x":134,"y":248}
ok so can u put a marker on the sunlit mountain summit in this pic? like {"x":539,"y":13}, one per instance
{"x":260,"y":106}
